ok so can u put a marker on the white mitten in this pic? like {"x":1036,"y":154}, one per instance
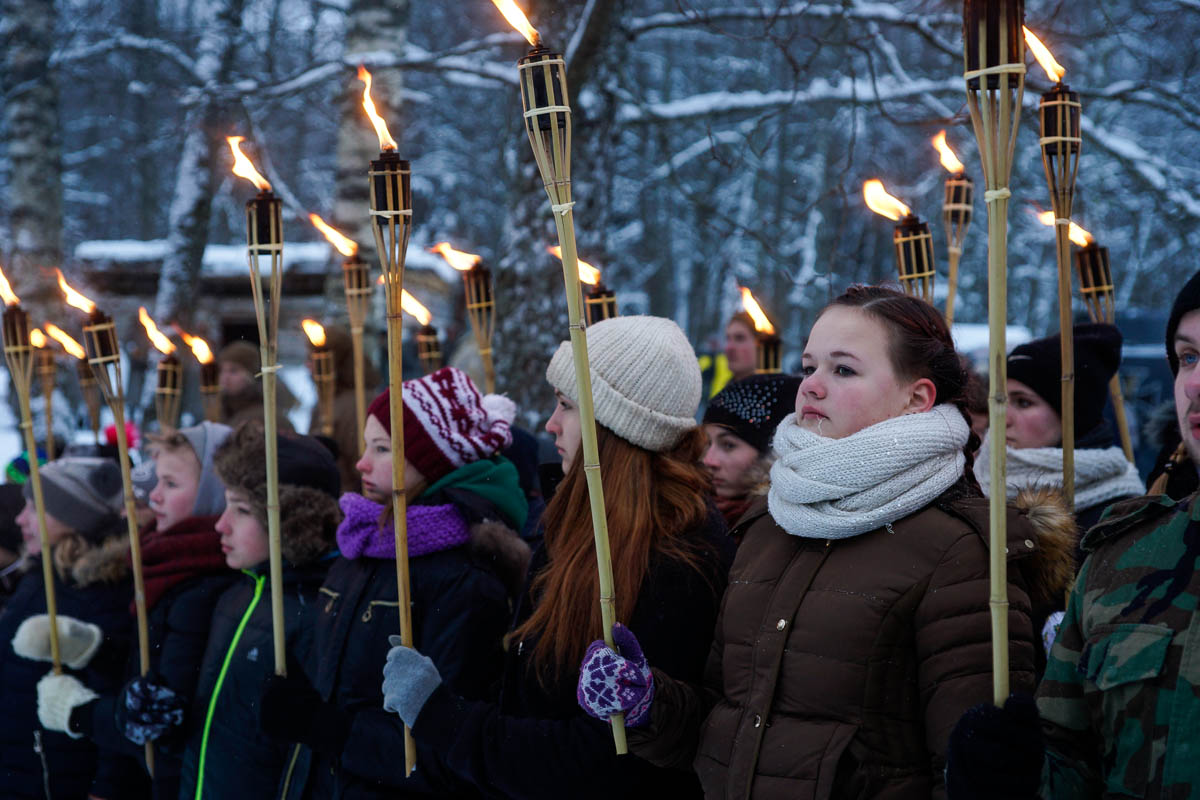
{"x":57,"y":696}
{"x":78,"y":641}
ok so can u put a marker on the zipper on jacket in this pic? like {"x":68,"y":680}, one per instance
{"x":259,"y":580}
{"x":370,"y":612}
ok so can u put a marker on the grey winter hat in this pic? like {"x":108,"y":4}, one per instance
{"x":645,"y":379}
{"x":85,"y":494}
{"x":205,"y":438}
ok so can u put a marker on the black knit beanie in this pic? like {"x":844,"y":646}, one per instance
{"x":753,"y":407}
{"x":1038,"y":365}
{"x":1187,"y":300}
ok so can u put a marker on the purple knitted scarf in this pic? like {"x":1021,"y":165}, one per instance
{"x":430,"y":529}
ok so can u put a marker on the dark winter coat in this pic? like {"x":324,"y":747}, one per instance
{"x":839,"y":667}
{"x":97,"y":590}
{"x":534,"y":741}
{"x":227,"y":756}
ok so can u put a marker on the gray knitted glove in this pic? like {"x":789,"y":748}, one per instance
{"x":78,"y":641}
{"x":408,"y":680}
{"x":57,"y":696}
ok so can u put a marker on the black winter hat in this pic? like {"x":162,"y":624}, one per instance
{"x":1187,"y":300}
{"x":753,"y":407}
{"x":1038,"y":365}
{"x":12,"y":501}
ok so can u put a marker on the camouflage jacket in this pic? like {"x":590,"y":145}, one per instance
{"x":1120,"y":701}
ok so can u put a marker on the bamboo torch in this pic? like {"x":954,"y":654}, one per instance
{"x":768,"y":345}
{"x":87,"y":381}
{"x":481,"y":304}
{"x":994,"y":72}
{"x":390,"y":197}
{"x":429,"y":350}
{"x":322,"y":372}
{"x":47,"y":370}
{"x":100,"y":342}
{"x":547,"y":118}
{"x":264,"y":240}
{"x":957,"y":207}
{"x":168,"y":393}
{"x":1096,"y":286}
{"x":210,"y":374}
{"x":912,"y":240}
{"x":1058,"y":113}
{"x":18,"y":352}
{"x":356,"y":281}
{"x":599,"y":302}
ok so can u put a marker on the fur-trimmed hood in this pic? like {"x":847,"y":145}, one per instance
{"x":106,"y":562}
{"x":498,"y":547}
{"x":1051,"y":569}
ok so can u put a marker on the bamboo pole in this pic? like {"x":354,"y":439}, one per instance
{"x":1066,"y":340}
{"x":48,"y":372}
{"x":356,"y":282}
{"x":956,"y":214}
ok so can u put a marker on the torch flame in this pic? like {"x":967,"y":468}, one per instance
{"x":70,"y":345}
{"x":341,"y":243}
{"x":516,"y":17}
{"x":1054,"y":70}
{"x":949,"y":160}
{"x":761,"y":323}
{"x":386,"y":142}
{"x":414,"y":308}
{"x":587,"y":273}
{"x":882,"y":203}
{"x":37,"y":338}
{"x":6,"y":291}
{"x":200,"y":348}
{"x":456,"y":258}
{"x":242,"y":166}
{"x":314,"y":332}
{"x":74,"y":298}
{"x":1077,"y":234}
{"x":157,"y":337}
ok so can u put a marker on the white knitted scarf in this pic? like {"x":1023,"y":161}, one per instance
{"x":837,"y":488}
{"x":1100,"y":474}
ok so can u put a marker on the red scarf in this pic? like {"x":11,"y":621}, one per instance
{"x":732,"y":509}
{"x":188,"y":549}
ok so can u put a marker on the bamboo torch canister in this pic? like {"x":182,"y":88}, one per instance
{"x":994,"y":71}
{"x":322,"y":372}
{"x":18,"y":352}
{"x":911,"y":239}
{"x":768,"y":345}
{"x":547,"y":115}
{"x":1096,"y":286}
{"x":957,"y":207}
{"x":599,"y":302}
{"x":480,"y":301}
{"x":429,"y":349}
{"x":47,"y":370}
{"x":210,"y":374}
{"x":87,"y":381}
{"x":168,"y":392}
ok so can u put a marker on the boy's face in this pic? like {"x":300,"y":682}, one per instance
{"x":174,"y":496}
{"x":243,"y":538}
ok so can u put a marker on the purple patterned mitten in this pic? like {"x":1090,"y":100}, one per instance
{"x":611,"y":684}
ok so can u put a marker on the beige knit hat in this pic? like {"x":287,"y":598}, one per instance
{"x":645,"y":379}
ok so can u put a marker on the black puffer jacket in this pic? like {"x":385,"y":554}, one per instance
{"x":98,"y":590}
{"x":227,"y":757}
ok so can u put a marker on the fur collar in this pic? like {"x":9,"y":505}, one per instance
{"x":107,"y":562}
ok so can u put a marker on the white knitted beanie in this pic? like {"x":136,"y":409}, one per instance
{"x":645,"y":379}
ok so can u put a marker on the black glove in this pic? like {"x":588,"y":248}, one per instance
{"x":291,"y":710}
{"x":148,"y":708}
{"x":996,"y":752}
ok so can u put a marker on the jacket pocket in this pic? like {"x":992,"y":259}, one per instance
{"x":370,"y":612}
{"x":330,"y":597}
{"x":1119,"y":654}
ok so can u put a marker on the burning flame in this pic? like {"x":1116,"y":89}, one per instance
{"x":516,"y":17}
{"x":414,"y":308}
{"x":242,"y":166}
{"x":949,"y":160}
{"x":74,"y":298}
{"x":1054,"y":70}
{"x":386,"y":142}
{"x":37,"y":338}
{"x":314,"y":332}
{"x":1077,"y":234}
{"x":68,"y":344}
{"x":456,"y":258}
{"x":587,"y":273}
{"x":6,"y":291}
{"x":200,"y":348}
{"x":157,"y":337}
{"x":882,"y":203}
{"x":342,"y":244}
{"x":761,"y":323}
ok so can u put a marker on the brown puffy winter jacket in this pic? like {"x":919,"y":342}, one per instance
{"x":839,"y":667}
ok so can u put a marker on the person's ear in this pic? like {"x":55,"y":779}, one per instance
{"x":922,"y":396}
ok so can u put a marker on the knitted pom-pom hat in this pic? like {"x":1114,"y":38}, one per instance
{"x":447,"y":422}
{"x":753,"y":407}
{"x":645,"y":379}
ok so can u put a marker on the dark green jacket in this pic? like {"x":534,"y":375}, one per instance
{"x":1119,"y":701}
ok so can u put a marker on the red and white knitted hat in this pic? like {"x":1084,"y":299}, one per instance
{"x":447,"y":422}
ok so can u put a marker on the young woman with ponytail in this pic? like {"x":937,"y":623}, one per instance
{"x":855,"y":629}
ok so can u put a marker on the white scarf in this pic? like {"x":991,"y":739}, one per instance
{"x":1100,"y":474}
{"x":837,"y":488}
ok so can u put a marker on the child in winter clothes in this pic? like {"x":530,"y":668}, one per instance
{"x":465,"y":561}
{"x":855,"y":629}
{"x":90,"y":554}
{"x":184,"y":572}
{"x":669,"y":555}
{"x":226,"y":757}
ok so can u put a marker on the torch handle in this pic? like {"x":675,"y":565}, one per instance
{"x":274,"y":547}
{"x":1118,"y":399}
{"x":1067,"y":355}
{"x":954,"y":254}
{"x":49,"y":373}
{"x":489,"y":369}
{"x":360,"y":392}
